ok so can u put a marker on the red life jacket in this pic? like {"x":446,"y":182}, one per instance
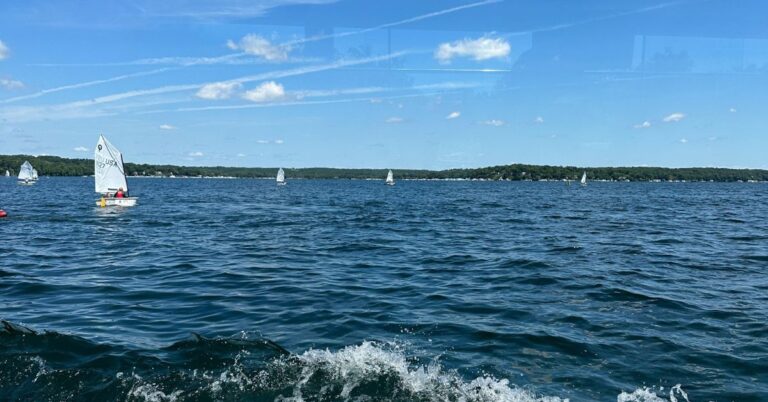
{"x":119,"y":194}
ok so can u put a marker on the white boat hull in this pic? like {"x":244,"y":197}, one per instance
{"x":281,"y":183}
{"x":117,"y":202}
{"x":27,"y":183}
{"x":390,"y":183}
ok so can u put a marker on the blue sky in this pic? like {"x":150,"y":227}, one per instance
{"x":401,"y":84}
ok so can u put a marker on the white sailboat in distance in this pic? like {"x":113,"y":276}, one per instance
{"x":7,"y":173}
{"x":110,"y":176}
{"x":35,"y":177}
{"x":280,"y":177}
{"x":584,"y":179}
{"x":26,"y":176}
{"x":390,"y":178}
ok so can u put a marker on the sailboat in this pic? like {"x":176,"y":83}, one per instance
{"x":280,"y":177}
{"x":7,"y":173}
{"x":34,"y":175}
{"x":110,"y":175}
{"x":390,"y":179}
{"x":26,"y":176}
{"x":584,"y":179}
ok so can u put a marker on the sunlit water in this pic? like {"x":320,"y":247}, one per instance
{"x":353,"y":290}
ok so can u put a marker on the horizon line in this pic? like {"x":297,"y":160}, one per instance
{"x":417,"y":169}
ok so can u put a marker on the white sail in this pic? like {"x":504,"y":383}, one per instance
{"x":280,"y":176}
{"x":390,"y":178}
{"x":108,"y":168}
{"x":7,"y":173}
{"x":26,"y":171}
{"x":584,"y":178}
{"x":34,"y":174}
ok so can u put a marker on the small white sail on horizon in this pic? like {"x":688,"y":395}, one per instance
{"x":584,"y":179}
{"x":390,"y":178}
{"x":26,"y":174}
{"x":34,"y":174}
{"x":280,"y":177}
{"x":7,"y":173}
{"x":109,"y":175}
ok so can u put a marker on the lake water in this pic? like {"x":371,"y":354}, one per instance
{"x":353,"y":290}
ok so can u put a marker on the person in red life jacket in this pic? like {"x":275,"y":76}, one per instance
{"x":120,"y":193}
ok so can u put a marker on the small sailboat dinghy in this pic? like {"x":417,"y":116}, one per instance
{"x":280,"y":177}
{"x":27,"y":174}
{"x":390,"y":179}
{"x":584,"y":179}
{"x":110,"y":176}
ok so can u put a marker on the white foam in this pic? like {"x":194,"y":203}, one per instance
{"x":650,"y":395}
{"x":151,"y":393}
{"x":353,"y":365}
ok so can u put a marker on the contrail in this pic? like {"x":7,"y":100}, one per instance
{"x":597,"y":19}
{"x":83,"y":85}
{"x":43,"y":111}
{"x":391,"y":24}
{"x":291,"y":103}
{"x":186,"y":62}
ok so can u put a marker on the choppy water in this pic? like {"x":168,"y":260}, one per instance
{"x":352,"y":290}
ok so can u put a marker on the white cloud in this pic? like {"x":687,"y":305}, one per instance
{"x":11,"y":84}
{"x":538,"y":120}
{"x":195,"y":154}
{"x":277,"y":141}
{"x":493,"y":122}
{"x":88,"y":107}
{"x":453,"y":115}
{"x":644,"y":124}
{"x":259,"y":46}
{"x":80,"y":149}
{"x":3,"y":50}
{"x":267,"y":91}
{"x":240,"y":155}
{"x":477,"y":49}
{"x":683,"y":141}
{"x":394,"y":120}
{"x":732,"y":110}
{"x":167,"y":127}
{"x":218,"y":90}
{"x":674,"y":117}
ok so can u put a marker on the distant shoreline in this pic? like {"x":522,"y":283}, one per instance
{"x":58,"y":166}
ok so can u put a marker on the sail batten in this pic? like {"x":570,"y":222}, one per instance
{"x":108,"y":168}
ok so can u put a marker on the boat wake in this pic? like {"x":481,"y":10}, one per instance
{"x":53,"y":366}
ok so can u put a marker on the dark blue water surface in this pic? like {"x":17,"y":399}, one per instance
{"x":352,"y":290}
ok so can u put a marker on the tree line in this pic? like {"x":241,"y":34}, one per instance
{"x":58,"y":166}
